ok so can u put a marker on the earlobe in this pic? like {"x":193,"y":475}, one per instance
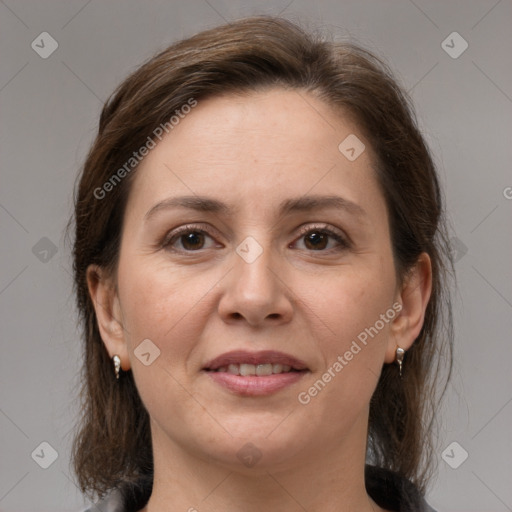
{"x":413,"y":297}
{"x":108,"y":313}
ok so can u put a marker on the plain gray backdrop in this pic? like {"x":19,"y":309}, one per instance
{"x":50,"y":105}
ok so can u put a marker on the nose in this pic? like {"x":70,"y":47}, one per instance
{"x":256,"y":292}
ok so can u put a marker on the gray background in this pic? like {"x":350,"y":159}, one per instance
{"x":49,"y":112}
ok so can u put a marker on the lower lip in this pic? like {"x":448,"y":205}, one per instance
{"x":253,"y":385}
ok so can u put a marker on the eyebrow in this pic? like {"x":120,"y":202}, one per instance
{"x":299,"y":204}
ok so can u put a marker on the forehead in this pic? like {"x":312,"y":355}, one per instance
{"x":255,"y":149}
{"x":273,"y":123}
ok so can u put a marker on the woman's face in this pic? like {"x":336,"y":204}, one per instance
{"x":247,"y":267}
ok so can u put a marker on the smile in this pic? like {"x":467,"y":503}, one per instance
{"x":255,"y":369}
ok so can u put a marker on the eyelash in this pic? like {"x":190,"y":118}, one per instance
{"x":168,"y":240}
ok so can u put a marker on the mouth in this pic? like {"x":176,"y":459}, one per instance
{"x":255,"y":374}
{"x":262,"y":363}
{"x":259,"y":370}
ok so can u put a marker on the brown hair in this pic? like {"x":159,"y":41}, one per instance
{"x":113,"y":443}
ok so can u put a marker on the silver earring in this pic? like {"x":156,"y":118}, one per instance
{"x":117,"y":365}
{"x":400,"y":358}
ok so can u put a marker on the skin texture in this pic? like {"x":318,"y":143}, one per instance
{"x":253,"y":151}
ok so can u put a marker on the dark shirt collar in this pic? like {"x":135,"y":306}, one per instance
{"x":394,"y":492}
{"x":388,"y":489}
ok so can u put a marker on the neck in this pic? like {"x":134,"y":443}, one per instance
{"x":317,"y":479}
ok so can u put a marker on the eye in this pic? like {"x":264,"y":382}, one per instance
{"x":191,"y":239}
{"x":317,"y":238}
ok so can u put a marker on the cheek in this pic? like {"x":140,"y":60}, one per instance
{"x":357,"y":309}
{"x":168,"y":306}
{"x":354,"y":299}
{"x":165,"y":307}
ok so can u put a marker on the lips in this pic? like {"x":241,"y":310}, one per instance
{"x":255,"y":374}
{"x":244,"y":361}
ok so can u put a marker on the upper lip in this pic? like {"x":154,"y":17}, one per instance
{"x":262,"y":357}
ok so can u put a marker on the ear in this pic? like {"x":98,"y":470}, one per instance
{"x":413,"y":298}
{"x":108,"y":313}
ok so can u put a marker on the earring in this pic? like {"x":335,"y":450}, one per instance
{"x":400,"y":358}
{"x":117,"y":365}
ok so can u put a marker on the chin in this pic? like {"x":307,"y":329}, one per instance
{"x":255,"y":457}
{"x":255,"y":447}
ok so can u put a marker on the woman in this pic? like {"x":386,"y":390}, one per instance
{"x":260,"y":266}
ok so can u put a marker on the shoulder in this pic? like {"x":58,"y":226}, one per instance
{"x":128,"y":497}
{"x":394,"y":492}
{"x":113,"y":502}
{"x":388,"y":489}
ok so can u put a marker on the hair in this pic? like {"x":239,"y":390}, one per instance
{"x":112,"y":443}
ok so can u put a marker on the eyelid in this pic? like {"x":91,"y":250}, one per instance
{"x":306,"y":228}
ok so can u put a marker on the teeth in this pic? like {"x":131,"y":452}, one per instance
{"x":247,"y":369}
{"x":254,"y":369}
{"x":264,"y":369}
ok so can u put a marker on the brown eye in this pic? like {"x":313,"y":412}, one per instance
{"x":317,"y":239}
{"x":191,"y":239}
